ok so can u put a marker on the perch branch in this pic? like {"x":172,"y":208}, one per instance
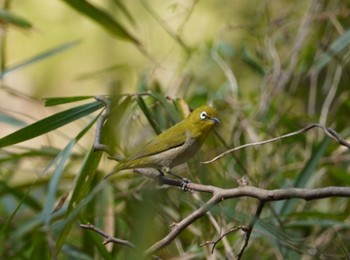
{"x":262,"y":195}
{"x":219,"y":195}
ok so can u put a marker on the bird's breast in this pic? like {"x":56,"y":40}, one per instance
{"x":177,"y":155}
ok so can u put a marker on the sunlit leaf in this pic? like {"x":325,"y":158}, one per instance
{"x":102,"y":18}
{"x":39,"y":57}
{"x":64,"y":100}
{"x":59,"y":162}
{"x":49,"y":123}
{"x":8,"y":17}
{"x":81,"y":198}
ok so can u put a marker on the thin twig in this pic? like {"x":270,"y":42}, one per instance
{"x":329,"y":131}
{"x":109,"y":239}
{"x":214,"y":243}
{"x":249,"y":229}
{"x":331,"y":94}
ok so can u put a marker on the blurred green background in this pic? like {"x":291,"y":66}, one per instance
{"x":269,"y":67}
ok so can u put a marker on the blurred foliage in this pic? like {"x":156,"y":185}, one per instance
{"x":269,"y":67}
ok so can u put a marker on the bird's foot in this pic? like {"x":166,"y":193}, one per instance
{"x":184,"y":182}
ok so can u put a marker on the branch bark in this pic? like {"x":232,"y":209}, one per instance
{"x":219,"y":195}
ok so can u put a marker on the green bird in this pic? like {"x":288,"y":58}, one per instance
{"x":174,"y":146}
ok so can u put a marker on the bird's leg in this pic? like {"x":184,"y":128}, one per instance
{"x":159,"y":177}
{"x":184,"y":181}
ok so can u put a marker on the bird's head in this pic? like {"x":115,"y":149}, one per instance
{"x":202,"y":119}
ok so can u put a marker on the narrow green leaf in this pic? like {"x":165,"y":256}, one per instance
{"x":32,"y":223}
{"x":49,"y":123}
{"x":29,"y":153}
{"x":72,"y":252}
{"x":125,"y":11}
{"x":8,"y":221}
{"x":148,"y":114}
{"x":64,"y":100}
{"x":102,"y":18}
{"x":305,"y":175}
{"x":311,"y":165}
{"x":81,"y":194}
{"x":39,"y":57}
{"x":7,"y":17}
{"x":252,"y":62}
{"x":173,"y":113}
{"x":338,"y":45}
{"x":60,"y":161}
{"x":17,"y":193}
{"x":86,"y":174}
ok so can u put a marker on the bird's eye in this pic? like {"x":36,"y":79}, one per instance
{"x":203,"y":115}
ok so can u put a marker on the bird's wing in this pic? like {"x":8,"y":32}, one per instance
{"x":171,"y":138}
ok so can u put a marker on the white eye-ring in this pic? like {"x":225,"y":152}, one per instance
{"x":204,"y":115}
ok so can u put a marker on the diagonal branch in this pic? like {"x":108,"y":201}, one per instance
{"x":249,"y":229}
{"x":328,"y":131}
{"x":109,"y":239}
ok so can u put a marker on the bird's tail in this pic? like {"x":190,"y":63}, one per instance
{"x":117,"y":157}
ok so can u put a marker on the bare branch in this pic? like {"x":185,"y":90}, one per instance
{"x":328,"y":131}
{"x":109,"y":239}
{"x":214,"y":243}
{"x":262,"y":195}
{"x":219,"y":195}
{"x":249,"y":229}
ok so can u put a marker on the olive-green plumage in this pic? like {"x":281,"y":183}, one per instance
{"x":175,"y":145}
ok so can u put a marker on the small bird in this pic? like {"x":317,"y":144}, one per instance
{"x":175,"y":145}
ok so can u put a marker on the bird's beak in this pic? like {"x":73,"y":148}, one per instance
{"x":215,"y":120}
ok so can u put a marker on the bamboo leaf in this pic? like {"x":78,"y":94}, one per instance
{"x":60,"y":161}
{"x":148,"y":114}
{"x":8,"y":17}
{"x":125,"y":11}
{"x":39,"y":57}
{"x":49,"y":123}
{"x":102,"y":18}
{"x":81,"y":195}
{"x":173,"y":113}
{"x":64,"y":100}
{"x":338,"y":45}
{"x":17,"y":193}
{"x":305,"y":175}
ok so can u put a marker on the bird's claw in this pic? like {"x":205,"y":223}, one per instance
{"x":184,"y":183}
